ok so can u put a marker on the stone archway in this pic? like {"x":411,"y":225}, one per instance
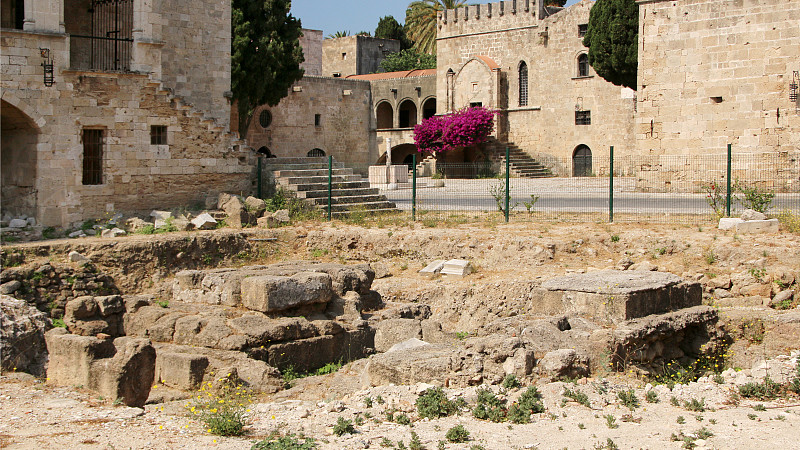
{"x":582,"y":161}
{"x":407,"y":113}
{"x":19,"y":137}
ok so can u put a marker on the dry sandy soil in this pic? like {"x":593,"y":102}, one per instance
{"x":35,"y":414}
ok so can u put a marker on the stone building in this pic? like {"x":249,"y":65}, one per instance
{"x":116,"y":105}
{"x":528,"y":62}
{"x":355,"y":55}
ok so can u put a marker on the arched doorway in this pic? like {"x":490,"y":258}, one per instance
{"x":384,"y":116}
{"x":582,"y":161}
{"x":264,"y":151}
{"x":316,"y":153}
{"x":429,"y":108}
{"x":19,"y":136}
{"x":407,"y":114}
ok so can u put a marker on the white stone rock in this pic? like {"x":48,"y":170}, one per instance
{"x":76,"y":234}
{"x":31,"y":221}
{"x":758,"y":226}
{"x":114,"y":232}
{"x":281,"y":215}
{"x":18,"y":223}
{"x":434,"y":267}
{"x":204,"y":222}
{"x":727,"y":223}
{"x":407,"y":345}
{"x":77,"y":257}
{"x":163,"y":215}
{"x":457,"y":267}
{"x":751,"y":214}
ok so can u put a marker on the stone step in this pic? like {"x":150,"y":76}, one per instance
{"x":370,"y":212}
{"x":318,"y":179}
{"x":310,"y":166}
{"x":311,"y":172}
{"x":324,"y":186}
{"x":348,"y":199}
{"x":362,"y":206}
{"x":323,"y":193}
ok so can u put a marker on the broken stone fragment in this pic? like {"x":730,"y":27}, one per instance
{"x":135,"y":224}
{"x":18,"y":223}
{"x":22,"y":346}
{"x":204,"y":222}
{"x":77,"y":257}
{"x":281,"y":216}
{"x":750,"y":214}
{"x":114,"y":232}
{"x":267,"y":293}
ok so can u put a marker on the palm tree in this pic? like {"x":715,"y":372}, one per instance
{"x":421,"y":22}
{"x":338,"y":34}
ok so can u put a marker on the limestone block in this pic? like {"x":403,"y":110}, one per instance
{"x":255,"y":206}
{"x":456,"y":267}
{"x":268,"y":293}
{"x":392,"y":331}
{"x":77,"y":257}
{"x":347,"y":307}
{"x":612,"y":295}
{"x":785,"y":295}
{"x":17,"y":223}
{"x":407,"y":345}
{"x":758,"y":226}
{"x":749,"y":214}
{"x":236,"y":212}
{"x":434,"y":267}
{"x":281,"y":216}
{"x":727,"y":223}
{"x":135,"y":224}
{"x":563,"y":363}
{"x":22,"y":343}
{"x":204,"y":222}
{"x":431,"y":364}
{"x":180,"y":370}
{"x":114,"y":232}
{"x":120,"y":369}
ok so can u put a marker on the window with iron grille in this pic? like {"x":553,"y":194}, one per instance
{"x":523,"y":84}
{"x":583,"y":117}
{"x":582,"y":29}
{"x":583,"y":65}
{"x":158,"y":135}
{"x":265,"y":118}
{"x":317,"y":120}
{"x":92,"y":156}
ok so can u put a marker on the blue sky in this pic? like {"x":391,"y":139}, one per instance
{"x":331,"y":16}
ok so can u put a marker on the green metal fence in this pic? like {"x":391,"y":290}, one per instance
{"x":664,"y":189}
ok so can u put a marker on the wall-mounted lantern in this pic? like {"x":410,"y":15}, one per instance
{"x":47,"y":65}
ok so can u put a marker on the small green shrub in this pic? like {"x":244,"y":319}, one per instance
{"x":766,"y":390}
{"x":163,"y":303}
{"x":288,"y":442}
{"x":611,"y":421}
{"x":415,"y":443}
{"x":651,"y":397}
{"x":754,"y":197}
{"x":343,"y":426}
{"x":614,"y":238}
{"x":577,"y":396}
{"x":147,"y":229}
{"x":510,"y":381}
{"x":457,"y":434}
{"x":433,"y":403}
{"x":222,"y":408}
{"x":695,"y":405}
{"x":402,"y":419}
{"x":59,"y":323}
{"x":629,"y":399}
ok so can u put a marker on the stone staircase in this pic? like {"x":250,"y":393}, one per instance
{"x":521,"y":163}
{"x":307,"y":178}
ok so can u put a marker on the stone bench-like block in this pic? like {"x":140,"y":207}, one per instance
{"x":181,"y":370}
{"x":758,"y":226}
{"x":268,"y":293}
{"x":613,"y":295}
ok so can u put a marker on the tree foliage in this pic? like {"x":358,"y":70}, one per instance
{"x":462,"y":128}
{"x":338,"y":34}
{"x":389,"y":28}
{"x":421,"y":22}
{"x":265,"y":54}
{"x":556,"y":2}
{"x":408,"y":60}
{"x":612,"y":37}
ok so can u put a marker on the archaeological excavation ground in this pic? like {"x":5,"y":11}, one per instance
{"x":633,"y":336}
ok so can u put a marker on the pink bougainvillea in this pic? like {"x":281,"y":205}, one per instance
{"x":462,"y":128}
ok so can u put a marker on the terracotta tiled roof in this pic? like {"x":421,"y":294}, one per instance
{"x":389,"y":75}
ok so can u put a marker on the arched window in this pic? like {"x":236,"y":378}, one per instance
{"x":583,"y":65}
{"x":265,"y":118}
{"x":316,"y":153}
{"x":408,"y":114}
{"x":384,"y":116}
{"x":265,"y":151}
{"x":429,"y":108}
{"x":523,"y":84}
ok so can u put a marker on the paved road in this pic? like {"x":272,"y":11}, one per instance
{"x":560,"y":195}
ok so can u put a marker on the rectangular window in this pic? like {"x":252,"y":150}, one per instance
{"x":158,"y":135}
{"x":317,"y":120}
{"x":582,"y":29}
{"x":583,"y":117}
{"x":92,"y":156}
{"x":475,"y":104}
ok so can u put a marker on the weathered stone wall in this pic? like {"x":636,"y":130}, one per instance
{"x":311,"y":42}
{"x":485,"y":53}
{"x":714,"y":72}
{"x":355,"y":55}
{"x":346,"y":123}
{"x":137,"y":176}
{"x":196,"y":57}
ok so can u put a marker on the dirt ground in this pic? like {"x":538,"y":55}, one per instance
{"x":507,"y":258}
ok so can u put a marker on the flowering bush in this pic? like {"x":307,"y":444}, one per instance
{"x":462,"y":128}
{"x":222,"y":408}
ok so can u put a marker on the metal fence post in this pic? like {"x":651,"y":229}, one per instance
{"x":330,"y":188}
{"x":728,"y":196}
{"x":414,"y":188}
{"x":258,"y":189}
{"x":508,"y":184}
{"x":611,"y":185}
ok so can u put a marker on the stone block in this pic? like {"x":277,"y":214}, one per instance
{"x":392,"y":331}
{"x":727,"y":223}
{"x":204,"y":222}
{"x":758,"y":226}
{"x":456,"y":267}
{"x":22,"y":342}
{"x":181,"y":370}
{"x":434,"y":267}
{"x":749,"y":214}
{"x":267,"y":293}
{"x":612,"y":295}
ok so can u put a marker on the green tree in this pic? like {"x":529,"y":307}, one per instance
{"x":338,"y":34}
{"x":556,"y":2}
{"x":421,"y":22}
{"x":265,"y":54}
{"x":613,"y":38}
{"x":389,"y":28}
{"x":408,"y":59}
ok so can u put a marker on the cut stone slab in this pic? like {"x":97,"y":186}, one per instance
{"x":614,"y":295}
{"x":269,"y":293}
{"x":457,"y":267}
{"x":408,"y":345}
{"x":204,"y":222}
{"x":18,"y":223}
{"x":114,"y":232}
{"x":728,"y":223}
{"x":758,"y":226}
{"x":434,"y":267}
